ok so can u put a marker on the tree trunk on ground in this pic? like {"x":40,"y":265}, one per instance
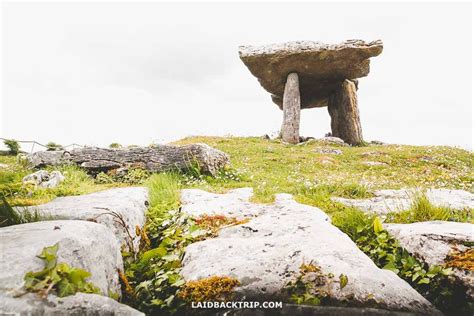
{"x":290,"y":129}
{"x":155,"y":159}
{"x":344,"y":112}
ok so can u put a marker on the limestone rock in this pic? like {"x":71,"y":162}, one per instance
{"x":79,"y":304}
{"x":44,"y":179}
{"x":155,"y":159}
{"x":266,"y":253}
{"x":82,"y":244}
{"x":330,"y":151}
{"x":235,"y":203}
{"x":130,"y":203}
{"x":333,"y":140}
{"x":386,"y":201}
{"x":433,"y":241}
{"x":321,"y":67}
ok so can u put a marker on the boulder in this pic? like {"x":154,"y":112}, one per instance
{"x":80,"y":304}
{"x":433,"y":242}
{"x":44,"y":179}
{"x":82,"y":244}
{"x":155,"y":159}
{"x":321,"y":67}
{"x":103,"y":207}
{"x":265,"y":254}
{"x":386,"y":201}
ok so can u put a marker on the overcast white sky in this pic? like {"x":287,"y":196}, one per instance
{"x":137,"y":73}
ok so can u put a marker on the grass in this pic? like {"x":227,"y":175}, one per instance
{"x":76,"y":182}
{"x":422,"y":210}
{"x":270,"y":167}
{"x":163,"y":196}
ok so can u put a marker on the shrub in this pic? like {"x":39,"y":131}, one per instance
{"x":115,"y":145}
{"x":52,"y":146}
{"x":13,"y":146}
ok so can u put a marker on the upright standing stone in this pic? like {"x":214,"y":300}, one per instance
{"x":290,"y":129}
{"x":342,"y":107}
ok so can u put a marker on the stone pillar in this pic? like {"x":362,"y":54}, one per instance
{"x":290,"y":129}
{"x":344,"y":112}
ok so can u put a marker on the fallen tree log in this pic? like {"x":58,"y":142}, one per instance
{"x":158,"y":158}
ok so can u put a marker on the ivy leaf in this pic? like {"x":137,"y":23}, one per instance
{"x":424,"y":281}
{"x":78,"y":276}
{"x":49,"y":255}
{"x":66,"y":288}
{"x":343,"y":280}
{"x":391,"y":266}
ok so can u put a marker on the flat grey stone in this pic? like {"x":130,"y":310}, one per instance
{"x":82,"y":244}
{"x":235,"y":203}
{"x":131,"y":203}
{"x":321,"y":67}
{"x":266,"y":253}
{"x":80,"y":304}
{"x":386,"y":201}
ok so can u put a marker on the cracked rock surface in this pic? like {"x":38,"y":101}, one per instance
{"x":82,"y":244}
{"x":265,"y":253}
{"x":131,"y":203}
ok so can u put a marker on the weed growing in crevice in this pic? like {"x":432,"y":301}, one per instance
{"x":312,"y":286}
{"x":433,"y":282}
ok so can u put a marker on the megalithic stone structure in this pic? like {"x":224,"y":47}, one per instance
{"x":303,"y":75}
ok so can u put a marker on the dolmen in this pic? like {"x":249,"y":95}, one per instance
{"x":306,"y":74}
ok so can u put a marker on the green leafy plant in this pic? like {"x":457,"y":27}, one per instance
{"x":434,"y":282}
{"x":154,"y":278}
{"x":60,"y":278}
{"x":52,"y":146}
{"x":12,"y":145}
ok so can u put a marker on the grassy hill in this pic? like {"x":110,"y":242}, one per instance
{"x":270,"y":167}
{"x":313,"y":172}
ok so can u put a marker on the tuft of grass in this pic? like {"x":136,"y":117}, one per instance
{"x":422,"y":210}
{"x":9,"y":216}
{"x":164,"y":196}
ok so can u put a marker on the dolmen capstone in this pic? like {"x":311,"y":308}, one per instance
{"x":305,"y":74}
